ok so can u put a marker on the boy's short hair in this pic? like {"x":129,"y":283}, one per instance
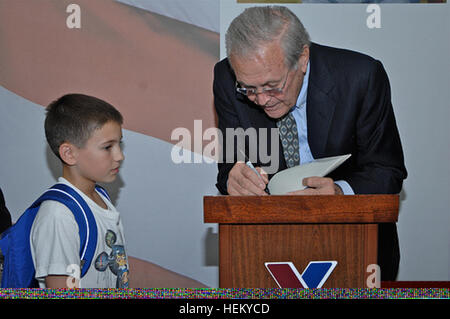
{"x":74,"y":117}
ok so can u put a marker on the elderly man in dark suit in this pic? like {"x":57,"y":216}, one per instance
{"x":330,"y":102}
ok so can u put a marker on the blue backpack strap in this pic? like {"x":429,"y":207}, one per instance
{"x":102,"y":191}
{"x":85,"y":219}
{"x":19,"y":269}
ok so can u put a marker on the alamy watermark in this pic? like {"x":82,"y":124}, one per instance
{"x":73,"y":20}
{"x":235,"y":142}
{"x":73,"y":279}
{"x":374,"y":278}
{"x":373,"y":21}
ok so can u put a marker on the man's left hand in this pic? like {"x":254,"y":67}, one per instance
{"x":319,"y":186}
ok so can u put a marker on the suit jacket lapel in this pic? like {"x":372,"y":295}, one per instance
{"x":320,"y":104}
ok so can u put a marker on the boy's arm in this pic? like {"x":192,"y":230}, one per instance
{"x":56,"y":281}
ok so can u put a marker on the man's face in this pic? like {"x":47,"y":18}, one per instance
{"x":266,"y":69}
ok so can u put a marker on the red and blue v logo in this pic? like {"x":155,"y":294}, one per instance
{"x":287,"y":276}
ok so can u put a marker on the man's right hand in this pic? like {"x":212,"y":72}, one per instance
{"x":242,"y":180}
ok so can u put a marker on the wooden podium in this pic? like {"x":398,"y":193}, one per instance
{"x":258,"y":229}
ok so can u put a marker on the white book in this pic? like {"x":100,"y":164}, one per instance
{"x":290,"y":179}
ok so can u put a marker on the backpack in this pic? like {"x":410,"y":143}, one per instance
{"x":18,"y":270}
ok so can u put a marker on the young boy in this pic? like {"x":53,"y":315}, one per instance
{"x":85,"y":133}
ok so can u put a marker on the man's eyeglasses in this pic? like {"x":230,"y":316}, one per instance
{"x":251,"y":92}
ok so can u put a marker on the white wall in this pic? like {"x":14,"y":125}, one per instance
{"x":414,"y":45}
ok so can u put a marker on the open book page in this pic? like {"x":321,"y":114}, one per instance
{"x":291,"y":179}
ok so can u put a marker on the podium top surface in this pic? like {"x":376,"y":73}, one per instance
{"x":301,"y":209}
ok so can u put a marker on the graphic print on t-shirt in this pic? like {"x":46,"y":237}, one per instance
{"x":116,"y":260}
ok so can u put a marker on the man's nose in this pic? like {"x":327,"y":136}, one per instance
{"x":262,"y":98}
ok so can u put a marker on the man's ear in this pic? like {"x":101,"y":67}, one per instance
{"x":68,"y":152}
{"x":304,"y":59}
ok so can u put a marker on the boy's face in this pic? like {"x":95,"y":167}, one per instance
{"x":99,"y":159}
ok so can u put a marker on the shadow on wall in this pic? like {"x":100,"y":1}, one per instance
{"x":211,"y":242}
{"x":402,"y":198}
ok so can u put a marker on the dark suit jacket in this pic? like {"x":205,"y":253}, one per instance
{"x":349,"y":110}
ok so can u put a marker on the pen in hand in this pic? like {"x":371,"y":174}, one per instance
{"x":249,"y":164}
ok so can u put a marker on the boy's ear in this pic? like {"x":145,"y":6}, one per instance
{"x":67,"y":152}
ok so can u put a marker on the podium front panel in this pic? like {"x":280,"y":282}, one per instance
{"x":244,"y":248}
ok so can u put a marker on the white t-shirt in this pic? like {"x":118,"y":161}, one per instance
{"x":55,"y":244}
